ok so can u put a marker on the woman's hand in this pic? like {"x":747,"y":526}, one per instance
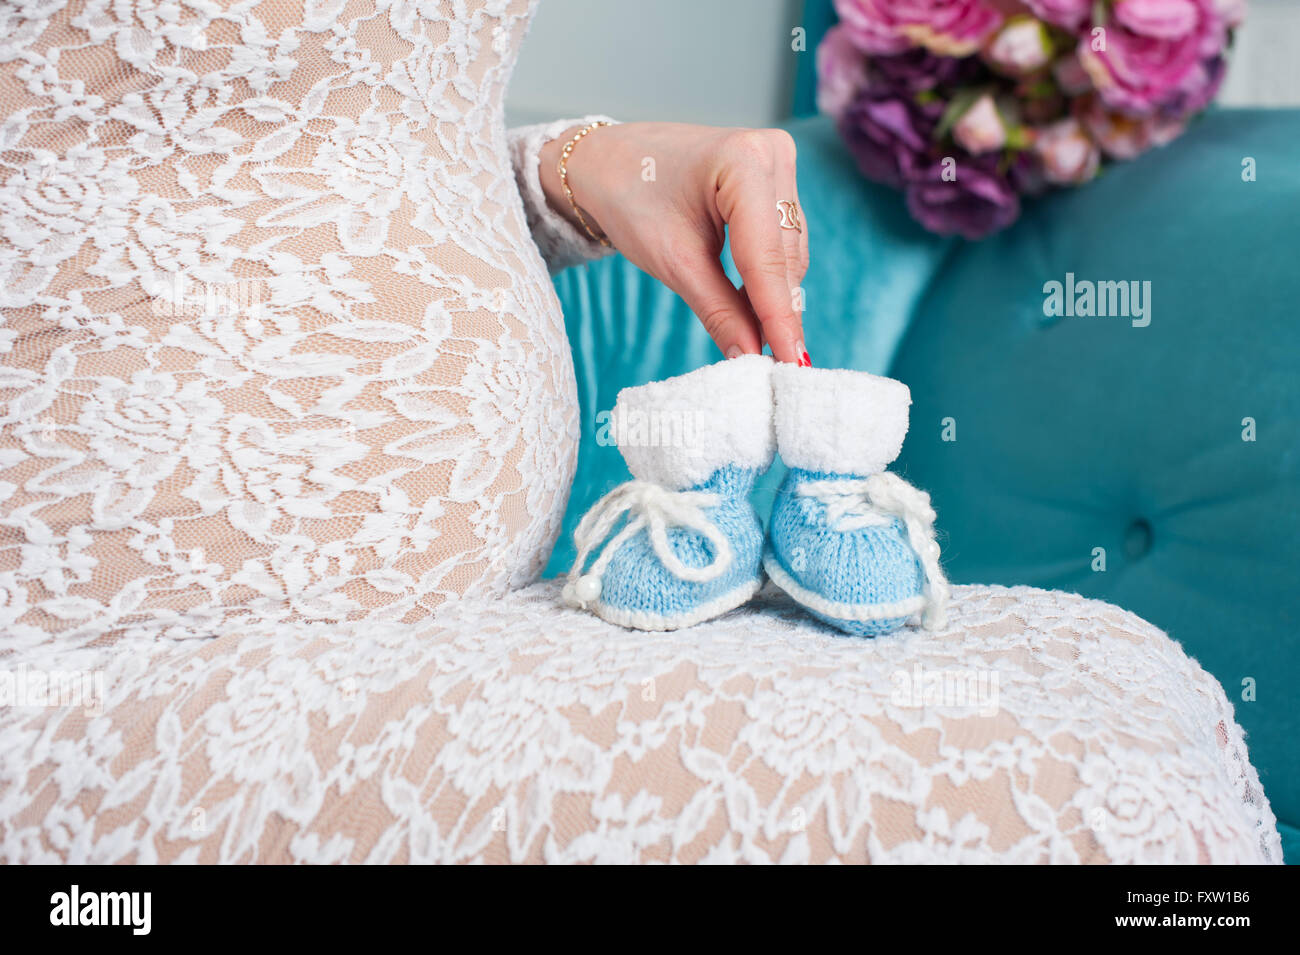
{"x":665,"y":193}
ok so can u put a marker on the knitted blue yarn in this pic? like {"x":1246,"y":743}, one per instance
{"x":865,"y":567}
{"x":637,"y":587}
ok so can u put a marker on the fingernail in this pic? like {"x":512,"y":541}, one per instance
{"x":734,"y":352}
{"x":804,"y":360}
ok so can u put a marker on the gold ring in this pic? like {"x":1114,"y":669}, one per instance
{"x":789,"y":215}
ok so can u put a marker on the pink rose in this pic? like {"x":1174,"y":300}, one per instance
{"x":1069,"y":14}
{"x":947,"y":27}
{"x":1021,"y":47}
{"x":841,"y":72}
{"x":1149,"y":49}
{"x":1127,"y":137}
{"x":980,"y":129}
{"x":1165,"y":19}
{"x":1068,"y":155}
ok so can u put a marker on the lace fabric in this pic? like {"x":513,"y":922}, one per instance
{"x":276,"y":343}
{"x":1037,"y":727}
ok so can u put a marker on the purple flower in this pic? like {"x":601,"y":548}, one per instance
{"x":1026,"y":174}
{"x":889,"y":137}
{"x":918,"y":70}
{"x":975,"y":202}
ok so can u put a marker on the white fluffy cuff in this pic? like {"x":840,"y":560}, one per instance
{"x":846,"y":422}
{"x":679,"y":431}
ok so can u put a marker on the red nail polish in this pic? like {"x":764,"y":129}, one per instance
{"x":805,"y":361}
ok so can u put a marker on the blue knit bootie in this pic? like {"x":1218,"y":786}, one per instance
{"x":681,"y":543}
{"x":849,"y":541}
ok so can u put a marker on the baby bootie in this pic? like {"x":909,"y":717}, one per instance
{"x":681,"y":543}
{"x":849,"y":541}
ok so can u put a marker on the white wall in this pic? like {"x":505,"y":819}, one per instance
{"x":729,"y":62}
{"x":721,"y":62}
{"x":1265,"y":65}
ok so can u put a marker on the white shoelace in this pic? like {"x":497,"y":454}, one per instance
{"x":852,"y":504}
{"x":656,"y":509}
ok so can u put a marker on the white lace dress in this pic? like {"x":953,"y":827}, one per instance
{"x":276,"y":343}
{"x":288,"y":427}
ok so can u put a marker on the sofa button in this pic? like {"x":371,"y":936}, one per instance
{"x":1137,"y":539}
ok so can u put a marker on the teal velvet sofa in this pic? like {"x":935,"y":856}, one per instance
{"x":1155,"y":466}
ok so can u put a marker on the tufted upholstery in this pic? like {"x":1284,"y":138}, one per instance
{"x":1071,"y":434}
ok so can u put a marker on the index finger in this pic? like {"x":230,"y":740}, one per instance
{"x":758,"y":248}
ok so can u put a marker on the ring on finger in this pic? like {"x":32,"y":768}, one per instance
{"x":789,"y":210}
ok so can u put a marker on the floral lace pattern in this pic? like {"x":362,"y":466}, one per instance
{"x":512,"y":730}
{"x":275,"y":340}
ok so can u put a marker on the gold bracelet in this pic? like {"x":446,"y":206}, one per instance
{"x":563,"y":168}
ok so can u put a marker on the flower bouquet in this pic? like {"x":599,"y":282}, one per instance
{"x":966,"y":105}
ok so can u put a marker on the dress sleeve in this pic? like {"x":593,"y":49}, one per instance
{"x":561,"y":243}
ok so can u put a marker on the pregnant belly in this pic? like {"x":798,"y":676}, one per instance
{"x":300,"y":436}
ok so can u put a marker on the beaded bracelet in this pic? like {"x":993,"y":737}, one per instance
{"x":563,"y":168}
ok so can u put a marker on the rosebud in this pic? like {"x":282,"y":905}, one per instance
{"x":980,"y":129}
{"x":1021,"y":47}
{"x":1068,"y":155}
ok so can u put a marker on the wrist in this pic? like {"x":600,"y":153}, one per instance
{"x":566,"y":161}
{"x":548,"y":160}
